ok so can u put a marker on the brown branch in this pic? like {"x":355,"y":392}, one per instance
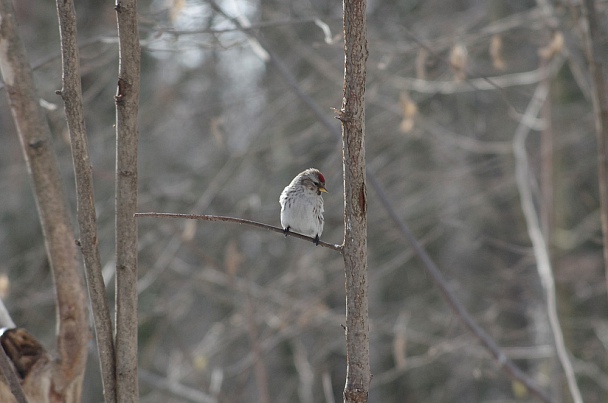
{"x":43,"y":168}
{"x":71,"y":93}
{"x":337,"y":248}
{"x":127,"y":106}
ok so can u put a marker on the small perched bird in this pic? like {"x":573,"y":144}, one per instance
{"x":302,"y":204}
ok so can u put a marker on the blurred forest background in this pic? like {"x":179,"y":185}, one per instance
{"x":233,"y":314}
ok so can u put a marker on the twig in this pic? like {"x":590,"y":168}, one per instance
{"x":337,"y":248}
{"x":71,"y":93}
{"x":543,"y":263}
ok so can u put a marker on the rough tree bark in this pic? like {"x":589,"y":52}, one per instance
{"x":352,"y":116}
{"x":34,"y":134}
{"x":71,"y":93}
{"x":127,"y":104}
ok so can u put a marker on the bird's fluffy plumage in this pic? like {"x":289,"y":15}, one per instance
{"x":302,"y":204}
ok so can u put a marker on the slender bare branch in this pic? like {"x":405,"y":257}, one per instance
{"x":127,"y":106}
{"x":337,"y":248}
{"x":539,"y":244}
{"x":263,"y":24}
{"x":71,"y":93}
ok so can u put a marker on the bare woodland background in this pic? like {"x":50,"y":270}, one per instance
{"x":228,"y":313}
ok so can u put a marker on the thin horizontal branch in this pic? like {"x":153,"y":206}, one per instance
{"x":204,"y":217}
{"x":259,"y":25}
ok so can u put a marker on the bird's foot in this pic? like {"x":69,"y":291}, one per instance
{"x":285,"y":231}
{"x":316,"y":240}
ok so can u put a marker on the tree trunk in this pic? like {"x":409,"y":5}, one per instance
{"x":127,"y":103}
{"x":352,"y":115}
{"x":71,"y":93}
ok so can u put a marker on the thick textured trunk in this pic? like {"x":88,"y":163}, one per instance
{"x":352,"y":115}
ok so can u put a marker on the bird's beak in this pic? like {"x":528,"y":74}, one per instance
{"x":322,"y":189}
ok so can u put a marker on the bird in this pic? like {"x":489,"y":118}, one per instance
{"x":302,"y":204}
